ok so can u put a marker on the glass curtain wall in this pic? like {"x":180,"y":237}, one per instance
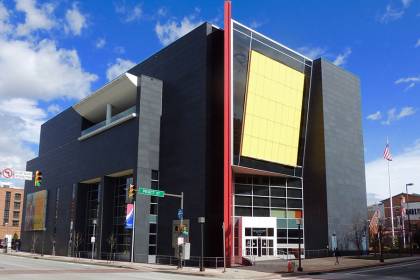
{"x":263,"y":196}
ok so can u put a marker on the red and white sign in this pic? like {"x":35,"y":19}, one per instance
{"x":7,"y":173}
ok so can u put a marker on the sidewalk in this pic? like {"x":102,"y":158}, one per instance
{"x":324,"y":265}
{"x":262,"y":270}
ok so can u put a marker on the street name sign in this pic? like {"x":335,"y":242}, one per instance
{"x":151,"y":192}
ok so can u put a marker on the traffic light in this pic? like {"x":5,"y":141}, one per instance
{"x":38,"y":178}
{"x":131,"y":193}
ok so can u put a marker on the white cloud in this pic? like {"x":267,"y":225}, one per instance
{"x":254,"y":24}
{"x":45,"y":71}
{"x":37,"y":17}
{"x":5,"y":26}
{"x":100,"y":43}
{"x":312,"y":52}
{"x":403,"y":169}
{"x":405,"y":112}
{"x":406,"y":3}
{"x":410,"y":81}
{"x":172,"y":29}
{"x":119,"y":50}
{"x":129,"y":14}
{"x":119,"y":67}
{"x":417,"y":43}
{"x":162,"y":11}
{"x":53,"y":109}
{"x":375,"y":116}
{"x":76,"y":21}
{"x":393,"y":114}
{"x":341,"y":59}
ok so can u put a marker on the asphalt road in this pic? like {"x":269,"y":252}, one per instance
{"x":408,"y":270}
{"x":12,"y":267}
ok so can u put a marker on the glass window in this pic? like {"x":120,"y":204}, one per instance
{"x":294,"y":183}
{"x":277,"y":181}
{"x":282,"y":240}
{"x":281,"y":223}
{"x":294,"y":193}
{"x":244,"y":179}
{"x":152,"y":250}
{"x":278,"y":202}
{"x":294,"y":214}
{"x":243,"y":211}
{"x":261,"y":212}
{"x":294,"y":203}
{"x":18,"y":196}
{"x":243,"y":200}
{"x":261,"y":190}
{"x":152,"y":239}
{"x":153,"y":219}
{"x":294,"y":233}
{"x":292,"y":223}
{"x":278,"y":213}
{"x":247,"y":232}
{"x":243,"y":189}
{"x":261,"y":180}
{"x":154,"y":185}
{"x":153,"y":228}
{"x":270,"y":232}
{"x":261,"y":201}
{"x":15,"y":223}
{"x":281,"y":232}
{"x":281,"y":192}
{"x":155,"y":175}
{"x":153,"y":209}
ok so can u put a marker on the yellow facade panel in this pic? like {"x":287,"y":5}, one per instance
{"x":272,"y":111}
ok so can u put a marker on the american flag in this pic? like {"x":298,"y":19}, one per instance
{"x":373,"y":225}
{"x":387,"y":153}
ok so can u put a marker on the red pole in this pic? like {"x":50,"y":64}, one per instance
{"x":227,"y":213}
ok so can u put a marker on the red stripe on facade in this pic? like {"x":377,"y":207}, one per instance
{"x":227,"y":212}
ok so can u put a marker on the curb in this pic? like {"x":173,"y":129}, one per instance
{"x":317,"y":272}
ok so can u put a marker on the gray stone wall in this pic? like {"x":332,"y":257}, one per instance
{"x":344,"y":156}
{"x":150,"y":111}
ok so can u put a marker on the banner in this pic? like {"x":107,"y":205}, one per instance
{"x":129,"y":216}
{"x":36,"y":206}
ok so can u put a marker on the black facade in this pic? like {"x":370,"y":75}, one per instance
{"x":185,"y":150}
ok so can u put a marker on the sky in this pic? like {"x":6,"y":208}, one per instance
{"x":53,"y":53}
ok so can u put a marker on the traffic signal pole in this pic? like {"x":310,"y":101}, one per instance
{"x":181,"y":196}
{"x":133,"y":231}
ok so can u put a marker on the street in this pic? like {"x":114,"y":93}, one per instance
{"x":12,"y":267}
{"x":409,"y":270}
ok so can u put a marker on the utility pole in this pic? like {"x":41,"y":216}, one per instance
{"x":299,"y":222}
{"x":201,"y":221}
{"x":133,"y":231}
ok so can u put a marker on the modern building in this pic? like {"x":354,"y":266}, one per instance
{"x":11,"y":205}
{"x":256,"y":136}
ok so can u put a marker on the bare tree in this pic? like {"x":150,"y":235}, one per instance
{"x":112,"y":241}
{"x":78,"y":239}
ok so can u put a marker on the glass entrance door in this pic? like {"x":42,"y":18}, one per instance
{"x":259,"y":247}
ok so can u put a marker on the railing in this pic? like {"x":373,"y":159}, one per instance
{"x":112,"y":120}
{"x":210,"y":262}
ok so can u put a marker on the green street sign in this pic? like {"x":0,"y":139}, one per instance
{"x":151,"y":192}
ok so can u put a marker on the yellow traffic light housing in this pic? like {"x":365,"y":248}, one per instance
{"x":131,"y":193}
{"x":38,"y":178}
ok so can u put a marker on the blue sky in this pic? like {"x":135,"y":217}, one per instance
{"x":54,"y":53}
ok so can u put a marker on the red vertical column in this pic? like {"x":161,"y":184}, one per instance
{"x":227,"y":215}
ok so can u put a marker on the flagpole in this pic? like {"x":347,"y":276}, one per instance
{"x":390,"y":200}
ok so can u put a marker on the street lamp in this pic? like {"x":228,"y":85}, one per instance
{"x":201,"y":221}
{"x":299,"y":222}
{"x":408,"y":215}
{"x":92,"y":239}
